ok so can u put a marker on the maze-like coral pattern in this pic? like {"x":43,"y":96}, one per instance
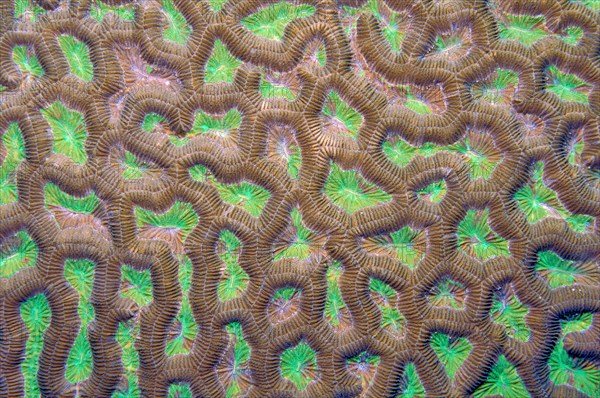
{"x":240,"y":198}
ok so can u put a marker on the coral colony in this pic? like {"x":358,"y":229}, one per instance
{"x":320,"y":198}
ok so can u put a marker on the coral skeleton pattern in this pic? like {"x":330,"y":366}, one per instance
{"x":319,"y":198}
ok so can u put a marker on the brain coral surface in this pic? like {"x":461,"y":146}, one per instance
{"x":242,"y":198}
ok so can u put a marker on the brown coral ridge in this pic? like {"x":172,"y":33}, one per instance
{"x":137,"y":71}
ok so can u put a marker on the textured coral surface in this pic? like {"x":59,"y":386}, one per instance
{"x":239,"y":198}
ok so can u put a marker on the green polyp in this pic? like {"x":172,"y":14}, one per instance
{"x":237,"y":364}
{"x":185,"y":273}
{"x":341,"y":112}
{"x":220,"y":126}
{"x":293,"y":157}
{"x":480,"y":166}
{"x":177,"y":29}
{"x":510,"y":312}
{"x":523,"y":28}
{"x":444,"y":44}
{"x":392,"y":34}
{"x":300,"y":247}
{"x":270,"y":22}
{"x":27,"y":7}
{"x":35,"y":312}
{"x":390,"y":316}
{"x":221,"y":65}
{"x":230,"y":241}
{"x":286,"y":293}
{"x":577,"y":145}
{"x":503,"y":380}
{"x":577,"y":322}
{"x":364,"y":357}
{"x":78,"y":57}
{"x":364,"y":363}
{"x":216,"y":5}
{"x":479,"y":162}
{"x":56,"y":197}
{"x":133,"y":167}
{"x":179,"y":390}
{"x":476,"y":237}
{"x":127,"y":333}
{"x":383,"y":289}
{"x":185,"y":317}
{"x":137,"y":285}
{"x":416,"y":105}
{"x":180,"y":216}
{"x":251,"y":197}
{"x":242,"y":349}
{"x":400,"y":152}
{"x":152,"y":121}
{"x":270,"y":90}
{"x":321,"y":56}
{"x":452,"y":352}
{"x":536,"y":200}
{"x":27,"y":61}
{"x":234,"y":280}
{"x":185,"y":320}
{"x":580,"y":222}
{"x":444,"y":294}
{"x":402,"y":242}
{"x":334,"y":303}
{"x":410,"y":384}
{"x":297,"y":363}
{"x":496,"y":90}
{"x":80,"y":275}
{"x":433,"y":192}
{"x":68,"y":129}
{"x":350,"y":191}
{"x":199,"y":172}
{"x":79,"y":362}
{"x":14,"y":145}
{"x":557,"y":271}
{"x":413,"y":102}
{"x":564,"y":85}
{"x":572,"y":35}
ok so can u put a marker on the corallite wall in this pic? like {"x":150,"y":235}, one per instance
{"x":208,"y":198}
